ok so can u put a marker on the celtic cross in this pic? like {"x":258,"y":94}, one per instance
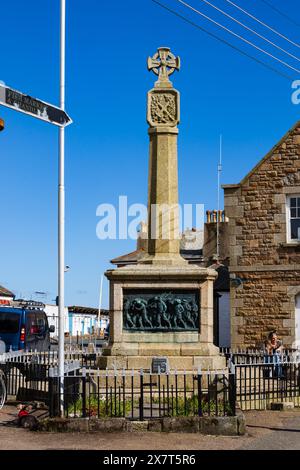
{"x":163,"y":64}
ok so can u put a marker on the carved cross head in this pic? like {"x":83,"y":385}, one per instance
{"x":163,"y":64}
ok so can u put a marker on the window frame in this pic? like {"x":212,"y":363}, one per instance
{"x":292,"y":241}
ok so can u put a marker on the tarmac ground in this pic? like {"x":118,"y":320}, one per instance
{"x":266,"y":430}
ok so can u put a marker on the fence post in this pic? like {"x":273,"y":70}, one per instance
{"x":141,"y":401}
{"x":84,"y":393}
{"x":50,"y":395}
{"x":232,"y":388}
{"x":54,"y":398}
{"x":199,"y":383}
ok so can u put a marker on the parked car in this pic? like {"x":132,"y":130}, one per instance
{"x":24,"y":327}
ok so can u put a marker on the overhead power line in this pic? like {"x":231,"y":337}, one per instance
{"x":238,"y":36}
{"x":263,"y":24}
{"x":250,"y":29}
{"x":223,"y":41}
{"x":280,"y":12}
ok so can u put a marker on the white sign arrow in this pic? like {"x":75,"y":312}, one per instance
{"x":39,"y":109}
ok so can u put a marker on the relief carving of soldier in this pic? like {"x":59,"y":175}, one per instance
{"x":161,"y":312}
{"x":191,"y":313}
{"x":158,"y":312}
{"x":194,"y":313}
{"x":128,"y":318}
{"x":139,"y":309}
{"x":135,"y":314}
{"x":179,"y":311}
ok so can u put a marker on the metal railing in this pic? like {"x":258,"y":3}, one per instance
{"x":3,"y":392}
{"x":141,"y":395}
{"x":250,"y":382}
{"x":86,"y":356}
{"x":26,"y":374}
{"x":259,"y":384}
{"x":257,"y":356}
{"x":25,"y":381}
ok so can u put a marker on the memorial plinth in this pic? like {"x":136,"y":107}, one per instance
{"x":162,"y":306}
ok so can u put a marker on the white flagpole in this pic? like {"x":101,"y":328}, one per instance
{"x":219,"y":179}
{"x":61,"y":210}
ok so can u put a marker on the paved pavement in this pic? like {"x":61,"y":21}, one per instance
{"x":280,"y":431}
{"x":265,"y":430}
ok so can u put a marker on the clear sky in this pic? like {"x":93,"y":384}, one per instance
{"x":222,"y":91}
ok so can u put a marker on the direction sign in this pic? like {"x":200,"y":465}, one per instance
{"x":39,"y":109}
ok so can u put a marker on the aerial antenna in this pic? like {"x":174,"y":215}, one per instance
{"x":218,"y":208}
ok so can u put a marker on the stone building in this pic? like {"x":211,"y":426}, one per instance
{"x":264,"y":247}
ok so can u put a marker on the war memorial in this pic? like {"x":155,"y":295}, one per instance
{"x":162,"y":307}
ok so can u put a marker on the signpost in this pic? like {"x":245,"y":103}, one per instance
{"x":39,"y":109}
{"x":54,"y":115}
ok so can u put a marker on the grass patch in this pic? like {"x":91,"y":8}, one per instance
{"x":191,"y":407}
{"x":103,"y":407}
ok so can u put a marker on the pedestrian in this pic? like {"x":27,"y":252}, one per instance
{"x":273,"y":354}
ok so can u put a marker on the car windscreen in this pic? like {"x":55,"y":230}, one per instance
{"x":9,"y":322}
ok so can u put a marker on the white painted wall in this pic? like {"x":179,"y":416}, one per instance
{"x":5,"y":298}
{"x":81,"y":323}
{"x":224,"y":320}
{"x":52,"y":315}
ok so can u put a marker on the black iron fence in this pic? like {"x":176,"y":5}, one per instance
{"x":27,"y":375}
{"x":250,"y":382}
{"x":259,"y":384}
{"x":142,"y":395}
{"x":26,"y":381}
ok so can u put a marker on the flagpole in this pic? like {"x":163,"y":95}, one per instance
{"x":61,"y":210}
{"x":218,"y":209}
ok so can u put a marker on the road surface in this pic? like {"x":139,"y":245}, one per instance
{"x":265,"y":430}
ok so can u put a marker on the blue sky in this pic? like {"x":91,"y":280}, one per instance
{"x":222,"y":91}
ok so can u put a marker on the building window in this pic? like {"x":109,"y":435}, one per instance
{"x":293,"y":211}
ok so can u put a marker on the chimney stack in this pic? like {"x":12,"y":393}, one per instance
{"x":212,"y":217}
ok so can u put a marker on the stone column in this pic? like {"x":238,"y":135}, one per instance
{"x":163,"y":211}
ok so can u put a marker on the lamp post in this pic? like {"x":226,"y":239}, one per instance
{"x":41,"y":110}
{"x":61,"y":211}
